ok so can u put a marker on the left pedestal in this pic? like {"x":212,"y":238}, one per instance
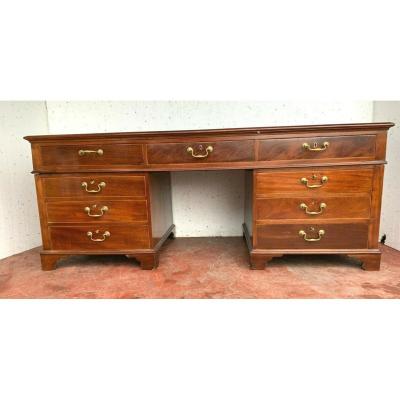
{"x":104,"y":213}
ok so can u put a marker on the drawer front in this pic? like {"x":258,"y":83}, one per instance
{"x":200,"y":152}
{"x":87,"y":156}
{"x":93,"y":237}
{"x":322,"y":236}
{"x":96,"y":185}
{"x":100,"y":211}
{"x":314,"y":148}
{"x":314,"y":182}
{"x":356,"y":206}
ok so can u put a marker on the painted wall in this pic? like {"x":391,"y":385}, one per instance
{"x":390,"y":217}
{"x":204,"y":203}
{"x":19,"y":221}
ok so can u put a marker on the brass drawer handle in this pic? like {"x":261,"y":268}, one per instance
{"x":303,"y":234}
{"x":100,"y":186}
{"x":304,"y":181}
{"x":315,"y":147}
{"x":304,"y":207}
{"x":99,"y":152}
{"x":105,"y":235}
{"x":209,"y":149}
{"x":102,"y":210}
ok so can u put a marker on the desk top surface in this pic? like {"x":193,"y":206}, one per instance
{"x":247,"y":131}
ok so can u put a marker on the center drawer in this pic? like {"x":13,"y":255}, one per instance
{"x":94,"y":185}
{"x":200,"y":152}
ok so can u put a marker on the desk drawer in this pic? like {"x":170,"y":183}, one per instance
{"x":317,"y":148}
{"x":87,"y":156}
{"x":99,"y":238}
{"x":98,"y":211}
{"x":200,"y":152}
{"x":355,"y":206}
{"x":322,"y":236}
{"x":94,"y":185}
{"x":314,"y":182}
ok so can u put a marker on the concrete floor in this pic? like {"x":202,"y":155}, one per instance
{"x":199,"y":268}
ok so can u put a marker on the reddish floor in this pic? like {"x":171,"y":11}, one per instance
{"x":199,"y":268}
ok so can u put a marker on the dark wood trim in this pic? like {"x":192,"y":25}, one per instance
{"x":204,"y":167}
{"x":41,"y":203}
{"x":147,"y":261}
{"x":49,"y":261}
{"x":376,"y":202}
{"x":247,"y":237}
{"x":315,"y":251}
{"x":148,"y":258}
{"x":95,"y":252}
{"x":170,"y":231}
{"x":369,"y":262}
{"x":380,"y":147}
{"x":259,"y":261}
{"x":213,"y":132}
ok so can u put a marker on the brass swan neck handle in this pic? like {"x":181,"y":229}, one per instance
{"x":305,"y":181}
{"x":304,"y":207}
{"x":88,"y":211}
{"x":209,"y":149}
{"x":303,"y":234}
{"x":314,"y":147}
{"x":99,"y":152}
{"x":100,"y":186}
{"x":105,"y":235}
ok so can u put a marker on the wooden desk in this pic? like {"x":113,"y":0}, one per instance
{"x":309,"y":189}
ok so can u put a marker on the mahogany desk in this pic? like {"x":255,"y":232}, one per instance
{"x":309,"y":189}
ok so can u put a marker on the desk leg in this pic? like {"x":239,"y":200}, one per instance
{"x":147,"y":261}
{"x":259,"y":261}
{"x":49,"y":261}
{"x":369,"y":262}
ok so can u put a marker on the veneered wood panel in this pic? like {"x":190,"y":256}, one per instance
{"x":160,"y":204}
{"x":261,"y":132}
{"x":376,"y":206}
{"x":89,"y":155}
{"x":352,"y":235}
{"x":103,"y":184}
{"x":222,"y":151}
{"x":248,"y":201}
{"x":356,"y":180}
{"x":100,"y":210}
{"x":355,"y":206}
{"x":122,"y":237}
{"x":42,"y":212}
{"x":360,"y":146}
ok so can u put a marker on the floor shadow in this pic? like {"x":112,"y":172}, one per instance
{"x":103,"y":260}
{"x":315,"y":261}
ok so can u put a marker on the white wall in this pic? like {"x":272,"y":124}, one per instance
{"x":390,"y":217}
{"x":204,"y":203}
{"x":19,"y":221}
